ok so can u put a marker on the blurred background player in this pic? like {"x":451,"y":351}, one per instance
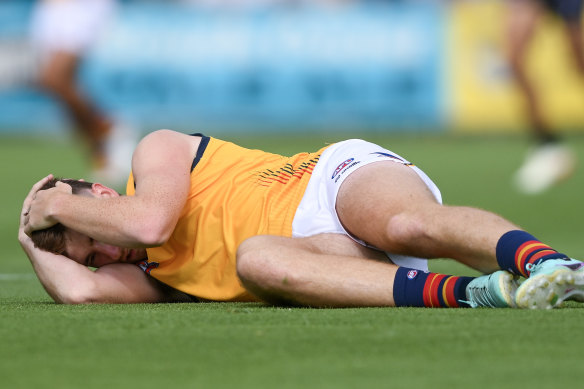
{"x":551,"y":160}
{"x":62,"y":33}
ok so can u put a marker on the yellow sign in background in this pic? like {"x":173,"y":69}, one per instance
{"x":483,"y":95}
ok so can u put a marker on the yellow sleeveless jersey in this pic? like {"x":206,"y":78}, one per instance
{"x":235,"y":193}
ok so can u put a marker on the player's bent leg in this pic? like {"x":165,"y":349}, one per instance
{"x":301,"y":271}
{"x":387,"y":205}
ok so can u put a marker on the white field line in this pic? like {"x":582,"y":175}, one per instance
{"x":17,"y":276}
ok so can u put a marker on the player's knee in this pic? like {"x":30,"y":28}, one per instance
{"x":254,"y":261}
{"x":246,"y":262}
{"x":262,"y":273}
{"x":404,"y":231}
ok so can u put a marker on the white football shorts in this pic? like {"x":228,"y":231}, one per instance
{"x":71,"y":26}
{"x":317,"y":214}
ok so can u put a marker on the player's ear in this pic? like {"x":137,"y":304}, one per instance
{"x":103,"y":191}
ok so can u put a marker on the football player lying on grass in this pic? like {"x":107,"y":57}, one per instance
{"x":350,"y":225}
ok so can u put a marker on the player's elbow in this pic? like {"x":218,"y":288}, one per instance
{"x":86,"y":293}
{"x":75,"y":298}
{"x":153,"y":238}
{"x":153,"y":234}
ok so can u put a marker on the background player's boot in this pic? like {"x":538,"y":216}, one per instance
{"x":544,"y":167}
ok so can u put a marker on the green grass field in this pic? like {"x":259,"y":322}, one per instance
{"x":44,"y":345}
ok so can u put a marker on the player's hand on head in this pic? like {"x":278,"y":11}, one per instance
{"x":26,"y":206}
{"x":36,"y":209}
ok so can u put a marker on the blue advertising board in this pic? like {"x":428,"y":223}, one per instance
{"x":164,"y":65}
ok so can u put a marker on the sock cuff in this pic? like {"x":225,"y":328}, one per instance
{"x":408,"y":287}
{"x":516,"y":249}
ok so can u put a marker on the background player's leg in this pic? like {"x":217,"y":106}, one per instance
{"x":522,"y":20}
{"x":59,"y":77}
{"x":550,"y":161}
{"x":575,"y":38}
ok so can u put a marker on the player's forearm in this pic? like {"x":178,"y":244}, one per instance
{"x":66,"y":281}
{"x":121,"y":221}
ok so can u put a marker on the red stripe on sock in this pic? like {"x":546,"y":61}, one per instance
{"x":540,"y":254}
{"x":426,"y":292}
{"x":524,"y":251}
{"x":433,"y":290}
{"x":448,"y":292}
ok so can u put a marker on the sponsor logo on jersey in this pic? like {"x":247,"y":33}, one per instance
{"x":412,"y":274}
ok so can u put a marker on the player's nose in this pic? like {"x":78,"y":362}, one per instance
{"x":107,"y":250}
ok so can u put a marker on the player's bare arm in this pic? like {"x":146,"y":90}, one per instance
{"x":161,"y":168}
{"x":67,"y":281}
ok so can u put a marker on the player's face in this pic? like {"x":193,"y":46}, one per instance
{"x":89,"y":252}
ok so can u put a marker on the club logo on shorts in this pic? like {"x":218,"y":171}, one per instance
{"x":380,"y":154}
{"x":342,"y":166}
{"x":412,"y":274}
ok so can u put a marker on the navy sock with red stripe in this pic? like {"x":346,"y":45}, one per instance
{"x":415,"y":288}
{"x":518,"y":251}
